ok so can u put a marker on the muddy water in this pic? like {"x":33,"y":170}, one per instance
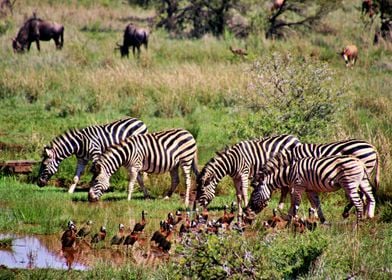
{"x":31,"y":252}
{"x":43,"y":251}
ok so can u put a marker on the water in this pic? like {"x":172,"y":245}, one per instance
{"x":32,"y":252}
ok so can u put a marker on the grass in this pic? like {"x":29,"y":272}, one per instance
{"x":194,"y":84}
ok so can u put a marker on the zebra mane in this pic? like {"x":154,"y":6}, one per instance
{"x":282,"y":158}
{"x":58,"y":139}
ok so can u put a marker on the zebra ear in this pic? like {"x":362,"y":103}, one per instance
{"x":48,"y":152}
{"x":96,"y":168}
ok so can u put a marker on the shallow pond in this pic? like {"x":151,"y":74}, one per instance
{"x":44,"y":251}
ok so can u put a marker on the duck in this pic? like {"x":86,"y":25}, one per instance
{"x":69,"y":236}
{"x":119,"y":237}
{"x":100,"y":236}
{"x":85,"y":230}
{"x":139,"y":227}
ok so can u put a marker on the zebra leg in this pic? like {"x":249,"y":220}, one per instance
{"x":81,"y":165}
{"x":283,"y":194}
{"x":351,"y":190}
{"x":239,"y":193}
{"x":371,"y":202}
{"x":133,"y":172}
{"x":175,"y":180}
{"x":244,"y":183}
{"x":296,"y":197}
{"x":188,"y":183}
{"x":315,"y":202}
{"x":141,"y":184}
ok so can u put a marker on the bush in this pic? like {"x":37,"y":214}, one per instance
{"x":232,"y":256}
{"x":288,"y":95}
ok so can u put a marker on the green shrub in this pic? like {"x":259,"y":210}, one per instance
{"x":290,"y":95}
{"x":232,"y":256}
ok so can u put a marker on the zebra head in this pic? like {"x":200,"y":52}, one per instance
{"x":261,"y":193}
{"x":206,"y":183}
{"x":99,"y":183}
{"x":49,"y":166}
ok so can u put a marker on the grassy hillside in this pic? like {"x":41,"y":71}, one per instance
{"x":198,"y":85}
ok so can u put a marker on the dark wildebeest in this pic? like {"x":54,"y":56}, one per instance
{"x":36,"y":29}
{"x":135,"y":37}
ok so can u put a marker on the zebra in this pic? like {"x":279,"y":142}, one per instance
{"x":156,"y":153}
{"x":240,"y":161}
{"x":87,"y":144}
{"x":313,"y":175}
{"x":360,"y":149}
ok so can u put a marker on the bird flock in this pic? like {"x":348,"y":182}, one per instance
{"x":177,"y":228}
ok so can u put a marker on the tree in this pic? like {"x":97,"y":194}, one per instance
{"x":294,"y":13}
{"x":195,"y":17}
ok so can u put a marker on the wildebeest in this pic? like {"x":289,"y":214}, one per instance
{"x":36,"y":29}
{"x":133,"y":37}
{"x":350,"y":55}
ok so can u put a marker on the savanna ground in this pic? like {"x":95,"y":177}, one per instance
{"x":198,"y":85}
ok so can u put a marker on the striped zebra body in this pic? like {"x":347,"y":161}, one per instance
{"x":360,"y":149}
{"x":86,"y":144}
{"x":157,"y":153}
{"x":313,"y":175}
{"x":241,"y":161}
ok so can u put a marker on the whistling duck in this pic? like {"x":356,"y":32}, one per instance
{"x":100,"y":236}
{"x":119,"y":237}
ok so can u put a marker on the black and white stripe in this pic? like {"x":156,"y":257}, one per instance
{"x":152,"y":153}
{"x":312,"y":175}
{"x":360,"y":149}
{"x":240,"y":161}
{"x":87,"y":144}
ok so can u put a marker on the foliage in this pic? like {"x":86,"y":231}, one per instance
{"x":386,"y":213}
{"x":195,"y":17}
{"x":297,"y":13}
{"x":232,"y":256}
{"x":5,"y":25}
{"x":290,"y":95}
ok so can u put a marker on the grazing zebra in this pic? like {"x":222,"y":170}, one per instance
{"x":360,"y":149}
{"x":313,"y":175}
{"x":87,"y":144}
{"x":240,"y":161}
{"x":157,"y":152}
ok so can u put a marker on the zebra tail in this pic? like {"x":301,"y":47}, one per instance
{"x":194,"y":166}
{"x":377,"y":177}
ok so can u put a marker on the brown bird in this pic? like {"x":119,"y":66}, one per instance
{"x":69,"y":236}
{"x":276,"y":221}
{"x":178,"y":216}
{"x":186,"y":226}
{"x":100,"y":236}
{"x":170,"y":219}
{"x":228,"y":217}
{"x":85,"y":230}
{"x":238,"y":51}
{"x":119,"y":237}
{"x":139,"y":227}
{"x":162,"y":238}
{"x":204,"y":214}
{"x":131,"y":238}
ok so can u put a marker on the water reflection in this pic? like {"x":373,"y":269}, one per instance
{"x":31,"y":252}
{"x":44,"y":251}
